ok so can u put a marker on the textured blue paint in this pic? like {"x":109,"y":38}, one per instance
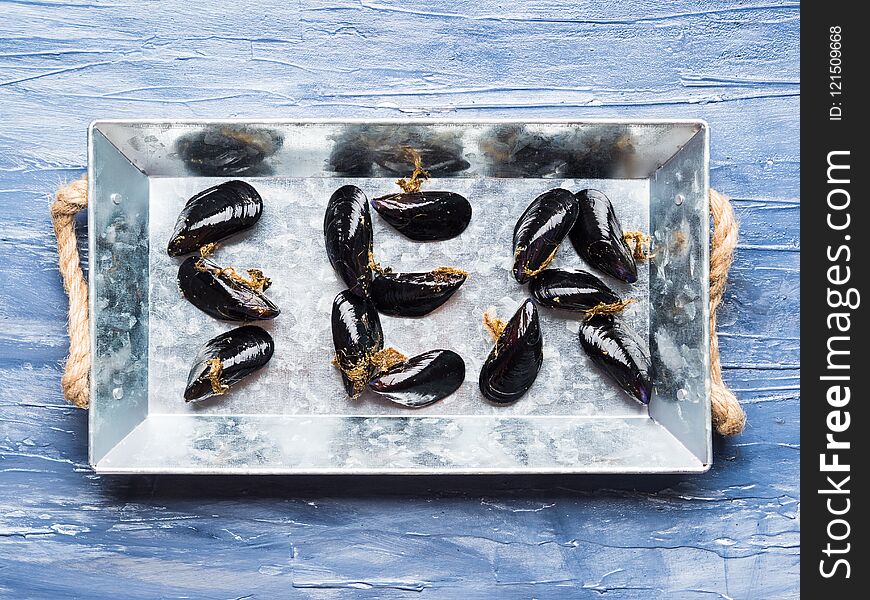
{"x":730,"y":533}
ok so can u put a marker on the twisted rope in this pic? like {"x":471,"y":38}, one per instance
{"x":75,"y":382}
{"x":728,"y":417}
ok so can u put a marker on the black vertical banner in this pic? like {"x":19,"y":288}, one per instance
{"x":835,"y":250}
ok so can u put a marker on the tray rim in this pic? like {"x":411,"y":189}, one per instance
{"x":703,"y":466}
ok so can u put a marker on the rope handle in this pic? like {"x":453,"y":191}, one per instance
{"x":76,"y":378}
{"x":727,"y":414}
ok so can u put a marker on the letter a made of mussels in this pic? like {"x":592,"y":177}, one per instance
{"x":226,"y":360}
{"x":598,"y":237}
{"x":422,"y":379}
{"x":215,"y":214}
{"x":357,"y":337}
{"x":540,"y":230}
{"x":347,"y":227}
{"x":514,"y":362}
{"x":620,"y":353}
{"x":570,"y":289}
{"x":424,"y":216}
{"x":415,"y":294}
{"x":223,"y":293}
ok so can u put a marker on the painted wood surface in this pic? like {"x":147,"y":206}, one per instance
{"x":732,"y":533}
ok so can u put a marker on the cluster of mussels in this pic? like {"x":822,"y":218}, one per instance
{"x":221,"y":292}
{"x":360,"y":354}
{"x":589,"y":220}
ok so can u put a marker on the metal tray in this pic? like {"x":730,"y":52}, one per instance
{"x":293,"y":417}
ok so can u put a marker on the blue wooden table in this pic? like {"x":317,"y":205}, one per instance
{"x":732,"y":533}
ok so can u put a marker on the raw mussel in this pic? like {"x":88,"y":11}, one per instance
{"x":224,"y":294}
{"x":226,"y":360}
{"x":619,"y":352}
{"x":415,"y":294}
{"x":357,"y":337}
{"x":215,"y":214}
{"x":540,"y":230}
{"x":422,"y":379}
{"x":514,"y":362}
{"x":347,"y":227}
{"x":570,"y":289}
{"x":597,"y":237}
{"x":425,"y":216}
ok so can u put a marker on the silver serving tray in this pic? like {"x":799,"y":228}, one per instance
{"x":293,"y":416}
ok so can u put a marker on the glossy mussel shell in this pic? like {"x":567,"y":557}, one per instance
{"x":425,"y":216}
{"x":215,"y":292}
{"x":357,"y":337}
{"x":347,"y":227}
{"x":570,"y":289}
{"x":415,"y":294}
{"x":619,"y":352}
{"x":422,"y":379}
{"x":540,"y":230}
{"x":514,"y":362}
{"x":213,"y":215}
{"x":240,"y":352}
{"x":597,"y":237}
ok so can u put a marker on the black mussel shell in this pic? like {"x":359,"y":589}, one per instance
{"x":216,"y":292}
{"x":421,"y":380}
{"x":357,"y":337}
{"x":229,"y":150}
{"x":215,"y":214}
{"x":240,"y":352}
{"x":347,"y":227}
{"x":425,"y":216}
{"x":540,"y":230}
{"x":514,"y":362}
{"x":597,"y":237}
{"x":620,"y":353}
{"x":570,"y":289}
{"x":415,"y":294}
